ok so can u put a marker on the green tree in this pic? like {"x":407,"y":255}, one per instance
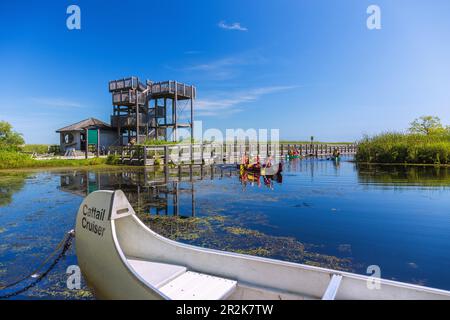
{"x":427,"y":125}
{"x":8,"y":138}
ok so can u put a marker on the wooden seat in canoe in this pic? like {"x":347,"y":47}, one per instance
{"x":179,"y":284}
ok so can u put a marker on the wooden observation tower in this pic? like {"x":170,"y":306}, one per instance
{"x":151,"y":111}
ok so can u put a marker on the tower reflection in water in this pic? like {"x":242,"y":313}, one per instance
{"x":158,"y":191}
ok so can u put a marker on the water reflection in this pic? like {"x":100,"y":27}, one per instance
{"x":158,"y":191}
{"x":399,"y":175}
{"x":331,"y":214}
{"x":9,"y":185}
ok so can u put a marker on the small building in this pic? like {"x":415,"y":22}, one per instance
{"x":96,"y":132}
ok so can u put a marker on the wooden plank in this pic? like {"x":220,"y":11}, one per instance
{"x":333,"y":287}
{"x":198,"y":286}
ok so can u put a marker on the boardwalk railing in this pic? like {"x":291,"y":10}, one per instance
{"x":218,"y":153}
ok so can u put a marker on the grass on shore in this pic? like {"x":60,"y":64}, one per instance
{"x":405,"y":148}
{"x":17,"y":160}
{"x":36,"y":148}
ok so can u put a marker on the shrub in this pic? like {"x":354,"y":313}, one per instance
{"x":113,"y":159}
{"x":13,"y":159}
{"x":36,"y":148}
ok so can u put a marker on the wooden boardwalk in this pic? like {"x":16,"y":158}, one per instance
{"x":182,"y":154}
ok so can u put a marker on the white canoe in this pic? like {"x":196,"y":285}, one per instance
{"x":121,"y":258}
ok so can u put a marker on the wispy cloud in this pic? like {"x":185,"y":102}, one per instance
{"x":56,"y":102}
{"x":192,"y":52}
{"x":233,"y":26}
{"x":214,"y":106}
{"x":215,"y":64}
{"x":225,"y":68}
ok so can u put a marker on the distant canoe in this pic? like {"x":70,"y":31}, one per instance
{"x":121,"y":258}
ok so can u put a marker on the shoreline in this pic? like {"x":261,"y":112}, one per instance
{"x":118,"y":167}
{"x":56,"y":168}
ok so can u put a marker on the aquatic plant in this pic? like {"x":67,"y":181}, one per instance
{"x":413,"y":148}
{"x":226,"y":233}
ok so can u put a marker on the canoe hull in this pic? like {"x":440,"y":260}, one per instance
{"x":104,"y":253}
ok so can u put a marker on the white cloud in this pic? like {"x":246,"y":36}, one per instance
{"x":225,"y":68}
{"x":215,"y":106}
{"x":233,"y":26}
{"x":215,"y":65}
{"x":192,"y":52}
{"x":56,"y":102}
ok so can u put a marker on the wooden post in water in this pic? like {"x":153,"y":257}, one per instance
{"x":192,"y":124}
{"x":166,"y":155}
{"x":145,"y":155}
{"x":193,"y":200}
{"x":202,"y":153}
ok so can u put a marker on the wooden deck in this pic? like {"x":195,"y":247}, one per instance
{"x":182,"y":154}
{"x":164,"y":88}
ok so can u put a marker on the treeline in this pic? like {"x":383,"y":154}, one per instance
{"x":427,"y":141}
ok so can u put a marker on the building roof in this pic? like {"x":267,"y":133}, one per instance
{"x":84,"y":124}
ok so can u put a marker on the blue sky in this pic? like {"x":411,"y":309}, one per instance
{"x":305,"y":67}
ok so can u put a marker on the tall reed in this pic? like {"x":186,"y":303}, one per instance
{"x":392,"y":147}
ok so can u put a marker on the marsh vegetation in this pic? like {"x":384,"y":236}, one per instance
{"x":427,"y":141}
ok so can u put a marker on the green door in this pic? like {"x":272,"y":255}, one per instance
{"x":92,"y":136}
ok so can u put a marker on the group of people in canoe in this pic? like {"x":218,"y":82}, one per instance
{"x":252,"y":168}
{"x":256,"y":164}
{"x":294,"y":153}
{"x":254,"y":179}
{"x":336,"y":154}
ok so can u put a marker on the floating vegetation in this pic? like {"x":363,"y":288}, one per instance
{"x":225,"y":233}
{"x":260,"y":252}
{"x":242,"y":231}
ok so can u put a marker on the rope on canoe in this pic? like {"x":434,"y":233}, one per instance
{"x":65,"y":244}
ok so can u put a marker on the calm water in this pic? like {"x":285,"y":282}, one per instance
{"x":341,"y":216}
